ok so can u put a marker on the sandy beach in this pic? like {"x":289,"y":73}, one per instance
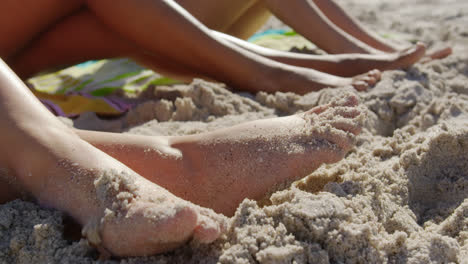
{"x":399,"y":196}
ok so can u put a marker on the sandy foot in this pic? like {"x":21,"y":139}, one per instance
{"x":252,"y":159}
{"x":143,"y":219}
{"x":221,"y":168}
{"x":122,"y":213}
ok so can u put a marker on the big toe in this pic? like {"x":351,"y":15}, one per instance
{"x":376,"y":74}
{"x":360,"y":85}
{"x":209,"y":226}
{"x":146,"y":230}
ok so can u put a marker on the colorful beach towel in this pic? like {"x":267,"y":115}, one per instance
{"x":74,"y":104}
{"x":87,"y":87}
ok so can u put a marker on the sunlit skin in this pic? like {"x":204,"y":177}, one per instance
{"x":169,"y":177}
{"x":215,"y":170}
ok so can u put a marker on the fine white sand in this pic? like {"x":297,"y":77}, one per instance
{"x":399,"y":196}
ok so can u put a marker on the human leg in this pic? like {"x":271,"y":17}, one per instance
{"x":80,"y":37}
{"x":250,"y":22}
{"x":219,"y":18}
{"x":327,"y":16}
{"x":43,"y":41}
{"x":245,"y":70}
{"x":237,"y":18}
{"x":221,"y":168}
{"x":20,"y":25}
{"x":243,"y":18}
{"x":309,"y":21}
{"x":340,"y":18}
{"x":120,"y":211}
{"x":343,"y":20}
{"x":346,"y":65}
{"x":345,"y":31}
{"x":217,"y":15}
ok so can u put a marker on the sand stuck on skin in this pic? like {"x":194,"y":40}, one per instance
{"x":400,"y":196}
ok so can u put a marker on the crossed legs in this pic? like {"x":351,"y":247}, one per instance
{"x":110,"y":199}
{"x":94,"y":37}
{"x":101,"y":30}
{"x":323,"y":22}
{"x":126,"y":214}
{"x":214,"y":169}
{"x":120,"y":211}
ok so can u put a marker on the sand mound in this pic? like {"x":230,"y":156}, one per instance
{"x":399,"y":196}
{"x":437,"y":172}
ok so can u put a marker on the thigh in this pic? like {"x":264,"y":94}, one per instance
{"x":218,"y":15}
{"x":22,"y":21}
{"x":82,"y":36}
{"x":79,"y":37}
{"x":250,"y":22}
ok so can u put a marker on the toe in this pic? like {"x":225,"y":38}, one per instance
{"x":206,"y":231}
{"x":319,"y":109}
{"x":209,"y":226}
{"x":347,"y":112}
{"x":370,"y":80}
{"x":362,"y":82}
{"x":339,"y":140}
{"x":360,"y":85}
{"x":147,"y":229}
{"x":376,"y":74}
{"x":347,"y":125}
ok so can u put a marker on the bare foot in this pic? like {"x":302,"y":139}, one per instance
{"x":406,"y":57}
{"x":252,"y":159}
{"x":141,"y":218}
{"x":346,"y":65}
{"x":122,"y":213}
{"x":302,"y":80}
{"x":437,"y":55}
{"x":363,"y":81}
{"x":220,"y":168}
{"x":349,"y":65}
